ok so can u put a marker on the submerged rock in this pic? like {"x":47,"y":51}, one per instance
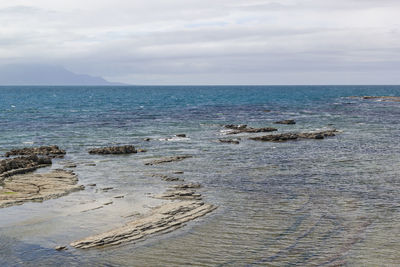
{"x":286,"y":122}
{"x":242,"y":128}
{"x":294,"y":136}
{"x":167,"y":178}
{"x":20,"y":165}
{"x":180,"y":194}
{"x":49,"y":151}
{"x":114,"y":150}
{"x":37,"y":187}
{"x":168,"y":159}
{"x":180,"y":135}
{"x":230,"y":141}
{"x":163,"y":219}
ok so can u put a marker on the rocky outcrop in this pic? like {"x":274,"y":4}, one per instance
{"x":20,"y":165}
{"x":242,"y":128}
{"x":379,"y":98}
{"x":286,"y":122}
{"x":49,"y":151}
{"x":37,"y":187}
{"x":168,"y":159}
{"x":180,"y":194}
{"x":113,"y":150}
{"x":229,"y":141}
{"x":294,"y":136}
{"x":163,"y":219}
{"x":181,"y":135}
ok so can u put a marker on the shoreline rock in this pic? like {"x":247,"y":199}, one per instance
{"x":21,"y":165}
{"x":168,"y":159}
{"x":162,"y":219}
{"x":37,"y":187}
{"x":294,"y":136}
{"x":49,"y":151}
{"x":128,"y":149}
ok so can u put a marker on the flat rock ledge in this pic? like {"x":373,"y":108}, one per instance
{"x":36,"y":187}
{"x":114,"y":150}
{"x":295,"y":136}
{"x":168,"y":159}
{"x":49,"y":151}
{"x":242,"y":128}
{"x":165,"y":218}
{"x":20,"y":165}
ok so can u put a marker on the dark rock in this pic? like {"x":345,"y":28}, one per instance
{"x":286,"y":122}
{"x":113,"y":150}
{"x":59,"y":248}
{"x":231,"y":141}
{"x":180,"y":135}
{"x":147,"y":139}
{"x":49,"y":151}
{"x":22,"y":165}
{"x":294,"y":136}
{"x":141,"y":150}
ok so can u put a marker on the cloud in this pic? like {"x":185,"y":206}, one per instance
{"x":179,"y":41}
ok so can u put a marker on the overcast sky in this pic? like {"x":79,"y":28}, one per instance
{"x":208,"y":41}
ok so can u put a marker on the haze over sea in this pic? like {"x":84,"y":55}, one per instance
{"x":323,"y":202}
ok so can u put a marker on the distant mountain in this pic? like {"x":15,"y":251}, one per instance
{"x":36,"y":74}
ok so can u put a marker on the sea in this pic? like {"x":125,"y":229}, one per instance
{"x":330,"y":202}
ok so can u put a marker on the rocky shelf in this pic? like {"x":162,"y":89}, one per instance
{"x":168,"y":159}
{"x":163,"y":219}
{"x":36,"y":187}
{"x":242,"y":128}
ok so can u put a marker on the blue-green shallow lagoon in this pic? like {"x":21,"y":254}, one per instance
{"x":324,"y":202}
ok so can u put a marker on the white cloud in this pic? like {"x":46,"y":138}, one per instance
{"x":220,"y":41}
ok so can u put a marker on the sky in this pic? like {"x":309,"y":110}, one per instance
{"x":208,"y":41}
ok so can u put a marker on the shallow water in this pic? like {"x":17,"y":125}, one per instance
{"x":324,"y":202}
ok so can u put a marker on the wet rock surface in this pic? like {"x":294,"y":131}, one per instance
{"x":294,"y":136}
{"x":242,"y":128}
{"x":128,"y":149}
{"x":49,"y":151}
{"x":168,"y":159}
{"x":286,"y":122}
{"x":165,"y":218}
{"x":37,"y":187}
{"x":20,"y":165}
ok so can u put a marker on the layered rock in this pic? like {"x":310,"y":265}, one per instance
{"x":114,"y":150}
{"x":35,"y":187}
{"x":163,"y":219}
{"x":168,"y":159}
{"x":19,"y":165}
{"x":294,"y":136}
{"x":49,"y":151}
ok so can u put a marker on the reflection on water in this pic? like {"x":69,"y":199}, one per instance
{"x":329,"y":202}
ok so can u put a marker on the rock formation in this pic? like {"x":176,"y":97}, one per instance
{"x":114,"y":150}
{"x":168,"y":159}
{"x":37,"y":187}
{"x":21,"y":165}
{"x":49,"y":151}
{"x":294,"y":136}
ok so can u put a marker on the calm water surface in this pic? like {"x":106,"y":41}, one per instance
{"x":329,"y":202}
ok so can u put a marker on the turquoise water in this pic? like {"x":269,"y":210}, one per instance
{"x":306,"y":203}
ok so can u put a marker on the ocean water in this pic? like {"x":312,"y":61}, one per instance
{"x":331,"y":202}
